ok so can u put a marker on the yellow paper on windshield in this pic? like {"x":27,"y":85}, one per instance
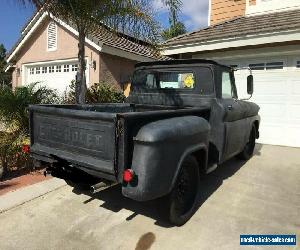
{"x":189,"y":81}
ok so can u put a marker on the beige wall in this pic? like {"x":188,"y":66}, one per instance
{"x":115,"y":70}
{"x":35,"y":50}
{"x":223,"y":10}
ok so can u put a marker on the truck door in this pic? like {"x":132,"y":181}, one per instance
{"x":233,"y":118}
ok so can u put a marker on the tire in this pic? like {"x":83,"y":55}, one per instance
{"x":181,"y":203}
{"x":248,"y":150}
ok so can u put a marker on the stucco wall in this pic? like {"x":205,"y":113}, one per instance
{"x":222,"y":10}
{"x":35,"y":50}
{"x":115,"y":70}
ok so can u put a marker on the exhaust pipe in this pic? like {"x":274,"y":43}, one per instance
{"x":101,"y":186}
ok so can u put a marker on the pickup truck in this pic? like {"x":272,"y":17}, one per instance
{"x":181,"y":120}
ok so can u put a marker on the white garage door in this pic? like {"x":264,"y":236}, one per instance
{"x":55,"y":75}
{"x":277,"y":92}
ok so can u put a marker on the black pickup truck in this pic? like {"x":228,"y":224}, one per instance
{"x":182,"y":119}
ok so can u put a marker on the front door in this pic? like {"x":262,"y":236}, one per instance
{"x":234,"y":123}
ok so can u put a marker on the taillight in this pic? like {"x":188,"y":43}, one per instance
{"x":26,"y":149}
{"x":128,"y":175}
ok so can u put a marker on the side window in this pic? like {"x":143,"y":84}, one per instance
{"x":226,"y":86}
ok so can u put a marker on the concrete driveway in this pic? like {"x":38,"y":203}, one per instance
{"x":261,"y":196}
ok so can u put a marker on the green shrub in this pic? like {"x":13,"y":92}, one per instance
{"x":14,"y":104}
{"x":11,"y":155}
{"x":97,"y":93}
{"x":69,"y":95}
{"x":14,"y":115}
{"x":104,"y":93}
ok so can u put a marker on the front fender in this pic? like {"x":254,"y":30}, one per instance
{"x":159,"y":149}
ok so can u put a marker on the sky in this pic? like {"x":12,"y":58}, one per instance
{"x":13,"y":17}
{"x":194,"y":13}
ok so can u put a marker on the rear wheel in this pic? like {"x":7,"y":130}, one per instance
{"x":181,"y":203}
{"x":248,"y":150}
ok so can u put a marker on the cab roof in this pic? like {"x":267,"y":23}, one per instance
{"x":178,"y":62}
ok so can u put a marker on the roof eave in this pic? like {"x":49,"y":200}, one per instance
{"x":8,"y":67}
{"x":235,"y":42}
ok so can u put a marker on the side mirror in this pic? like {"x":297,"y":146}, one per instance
{"x":250,"y":84}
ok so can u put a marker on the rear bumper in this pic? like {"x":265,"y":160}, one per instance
{"x":63,"y":159}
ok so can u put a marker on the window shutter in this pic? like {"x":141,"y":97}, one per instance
{"x":52,"y":36}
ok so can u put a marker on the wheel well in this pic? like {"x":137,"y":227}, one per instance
{"x":201,"y":157}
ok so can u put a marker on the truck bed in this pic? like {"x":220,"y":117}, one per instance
{"x":86,"y":136}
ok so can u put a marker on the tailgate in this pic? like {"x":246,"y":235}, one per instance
{"x":85,"y":138}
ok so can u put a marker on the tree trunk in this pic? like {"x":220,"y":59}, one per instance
{"x":174,"y":18}
{"x":80,"y":90}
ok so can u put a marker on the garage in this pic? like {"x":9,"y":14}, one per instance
{"x":277,"y":92}
{"x":55,"y":74}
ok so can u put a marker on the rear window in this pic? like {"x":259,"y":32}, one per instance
{"x":164,"y":79}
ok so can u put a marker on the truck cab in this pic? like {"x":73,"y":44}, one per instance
{"x":199,"y":84}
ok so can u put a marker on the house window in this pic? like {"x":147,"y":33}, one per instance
{"x":51,"y":69}
{"x":52,"y":37}
{"x":257,"y":66}
{"x":74,"y":67}
{"x":66,"y":68}
{"x":44,"y":70}
{"x":266,"y":66}
{"x":31,"y":71}
{"x":37,"y":70}
{"x":274,"y":65}
{"x":58,"y":68}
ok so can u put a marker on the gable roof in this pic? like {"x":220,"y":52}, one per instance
{"x":241,"y":27}
{"x":127,"y":43}
{"x":103,"y":36}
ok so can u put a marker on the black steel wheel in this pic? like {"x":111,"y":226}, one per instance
{"x":248,"y":150}
{"x":181,"y":203}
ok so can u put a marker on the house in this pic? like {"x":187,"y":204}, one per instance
{"x":265,"y":36}
{"x":48,"y":47}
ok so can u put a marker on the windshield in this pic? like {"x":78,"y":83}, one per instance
{"x":164,"y":79}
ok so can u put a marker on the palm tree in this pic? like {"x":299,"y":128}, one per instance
{"x":176,"y":27}
{"x":133,"y":17}
{"x":174,"y":7}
